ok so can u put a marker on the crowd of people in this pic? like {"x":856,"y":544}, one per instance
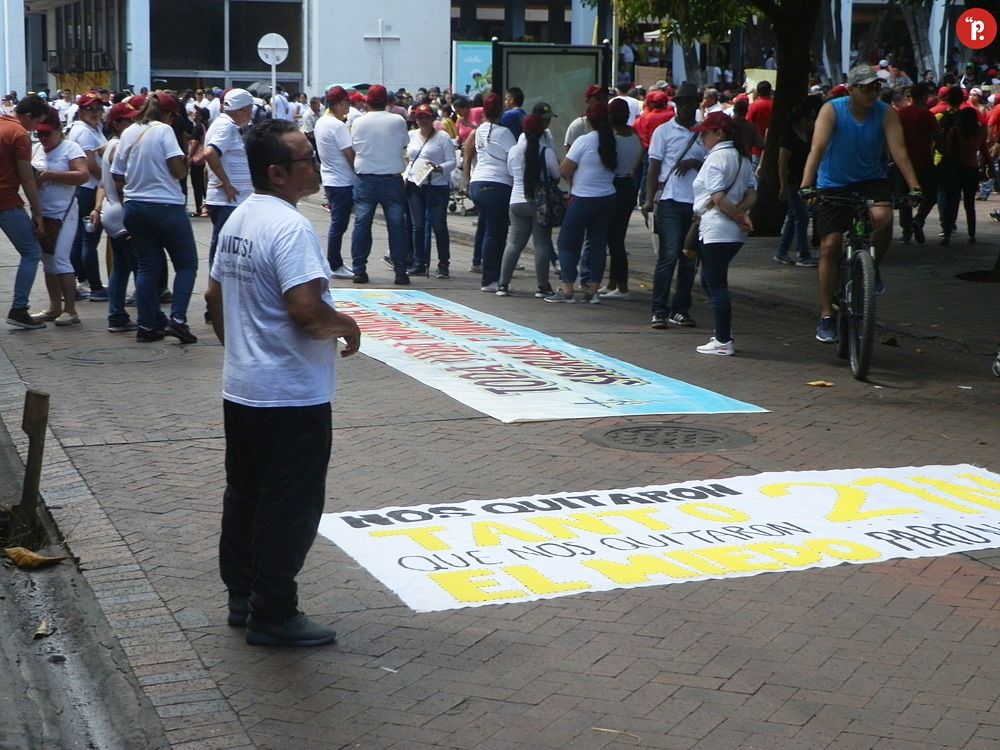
{"x":688,"y":157}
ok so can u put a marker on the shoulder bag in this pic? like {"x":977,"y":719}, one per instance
{"x":550,"y":200}
{"x":51,"y":228}
{"x":692,"y":243}
{"x":659,"y":190}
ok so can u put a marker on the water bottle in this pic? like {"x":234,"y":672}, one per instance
{"x":88,"y":225}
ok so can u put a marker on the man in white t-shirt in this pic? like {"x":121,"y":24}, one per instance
{"x":580,"y":126}
{"x":62,"y":106}
{"x":280,"y":108}
{"x":271,"y":308}
{"x":228,"y":172}
{"x":634,"y":107}
{"x":359,"y":105}
{"x":336,"y":156}
{"x":675,"y":156}
{"x":215,"y":105}
{"x":379,"y":139}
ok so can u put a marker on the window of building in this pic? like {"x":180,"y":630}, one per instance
{"x":249,"y":21}
{"x":187,"y":34}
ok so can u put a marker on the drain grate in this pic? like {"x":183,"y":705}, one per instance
{"x":123,"y":356}
{"x":669,"y":438}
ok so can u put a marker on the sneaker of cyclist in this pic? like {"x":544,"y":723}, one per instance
{"x":847,"y":158}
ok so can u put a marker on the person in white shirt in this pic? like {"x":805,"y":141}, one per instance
{"x":109,"y":213}
{"x":228,"y":172}
{"x":530,"y":162}
{"x":62,"y":106}
{"x":379,"y":139}
{"x":724,"y":193}
{"x":280,"y":108}
{"x":270,"y":304}
{"x":215,"y":105}
{"x":709,"y":103}
{"x":674,"y":159}
{"x":634,"y":106}
{"x":430,"y":158}
{"x":629,"y":152}
{"x":589,"y":167}
{"x":88,"y":133}
{"x":312,"y":113}
{"x":60,"y":168}
{"x":489,"y":180}
{"x":359,"y":105}
{"x":336,"y":157}
{"x":580,"y":125}
{"x":147,"y":167}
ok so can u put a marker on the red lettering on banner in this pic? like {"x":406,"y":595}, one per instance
{"x":503,"y":380}
{"x":568,"y":367}
{"x":443,"y":320}
{"x":436,"y":352}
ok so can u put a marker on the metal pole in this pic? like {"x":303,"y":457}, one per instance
{"x":614,"y":44}
{"x":274,"y":84}
{"x":381,"y":53}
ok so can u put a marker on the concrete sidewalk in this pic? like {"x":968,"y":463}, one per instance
{"x":925,"y":298}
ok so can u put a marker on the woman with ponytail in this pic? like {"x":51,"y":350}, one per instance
{"x":629,"y":154}
{"x":530,"y":162}
{"x":590,"y":167}
{"x":490,"y":182}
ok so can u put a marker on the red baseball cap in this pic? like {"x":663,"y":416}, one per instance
{"x":337,"y":94}
{"x":714,"y":121}
{"x":839,"y":90}
{"x":942,"y":91}
{"x":121,"y":111}
{"x":423,"y":110}
{"x":137,"y":102}
{"x":357,"y":96}
{"x":167,"y":103}
{"x":594,"y":90}
{"x":88,"y":99}
{"x":378,"y":95}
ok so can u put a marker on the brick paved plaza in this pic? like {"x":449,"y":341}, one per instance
{"x":902,"y":655}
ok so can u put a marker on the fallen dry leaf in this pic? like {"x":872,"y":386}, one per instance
{"x":617,"y":731}
{"x":820,"y":383}
{"x":44,"y":630}
{"x":25,"y":558}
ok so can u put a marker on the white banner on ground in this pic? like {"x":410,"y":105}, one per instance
{"x":468,"y":554}
{"x":512,"y":373}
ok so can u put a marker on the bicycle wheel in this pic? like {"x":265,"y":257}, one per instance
{"x":861,"y":306}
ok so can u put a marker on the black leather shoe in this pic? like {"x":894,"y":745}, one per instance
{"x":297,"y":630}
{"x":361,"y":278}
{"x":401,"y":280}
{"x":239,"y":611}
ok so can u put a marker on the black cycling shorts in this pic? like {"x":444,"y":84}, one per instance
{"x":833,"y":218}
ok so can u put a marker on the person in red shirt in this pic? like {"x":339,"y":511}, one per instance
{"x":961,"y":149}
{"x":760,"y":115}
{"x":16,"y":172}
{"x":656,"y":113}
{"x":920,"y":129}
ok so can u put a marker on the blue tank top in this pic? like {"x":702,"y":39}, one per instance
{"x":856,"y":152}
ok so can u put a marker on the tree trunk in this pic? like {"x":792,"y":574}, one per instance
{"x":692,"y":66}
{"x":918,"y":19}
{"x":830,"y":39}
{"x":794,"y":64}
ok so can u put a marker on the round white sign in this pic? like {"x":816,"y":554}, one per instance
{"x":272,"y":48}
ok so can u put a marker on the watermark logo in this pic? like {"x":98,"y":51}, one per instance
{"x":976,"y":28}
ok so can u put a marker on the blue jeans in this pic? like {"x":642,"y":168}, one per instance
{"x":673,"y":219}
{"x":19,"y":229}
{"x":370,"y":191}
{"x":492,"y":201}
{"x":219,"y":216}
{"x":341,"y":200}
{"x":796,"y":226}
{"x":586,"y":218}
{"x":477,"y":244}
{"x":156,"y":227}
{"x":84,"y":255}
{"x":122,"y":267}
{"x":429,"y":210}
{"x":715,"y":259}
{"x":618,"y":228}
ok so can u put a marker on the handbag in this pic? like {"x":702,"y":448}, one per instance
{"x":51,"y":228}
{"x":692,"y":243}
{"x":550,"y":200}
{"x":663,"y":185}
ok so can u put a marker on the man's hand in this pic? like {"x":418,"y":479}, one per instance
{"x":95,"y":218}
{"x":231,"y":192}
{"x":915,"y":196}
{"x":39,"y":223}
{"x":646,"y":209}
{"x":352,"y":339}
{"x":683,"y":167}
{"x":809,"y":196}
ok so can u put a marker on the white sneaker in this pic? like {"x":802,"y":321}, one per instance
{"x":491,"y":288}
{"x":604,"y":290}
{"x":67,"y":319}
{"x":343,"y":273}
{"x":615,"y":294}
{"x":715,"y":347}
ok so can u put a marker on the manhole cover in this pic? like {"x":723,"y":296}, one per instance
{"x":122,"y":356}
{"x":669,"y":438}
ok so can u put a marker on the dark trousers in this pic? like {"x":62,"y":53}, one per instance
{"x":198,"y":186}
{"x":492,"y":201}
{"x":219,"y":215}
{"x":673,"y":219}
{"x":928,"y":183}
{"x":624,"y":204}
{"x":341,"y":200}
{"x":84,"y":254}
{"x":276,"y":464}
{"x":956,"y":186}
{"x":715,"y":260}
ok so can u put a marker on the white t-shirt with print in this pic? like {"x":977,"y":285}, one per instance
{"x":591,"y":179}
{"x":55,"y":197}
{"x":493,"y":144}
{"x":266,"y":248}
{"x":141,"y":157}
{"x":224,"y":136}
{"x":332,"y":137}
{"x":90,"y":139}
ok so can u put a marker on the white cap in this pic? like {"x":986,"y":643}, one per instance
{"x":883,"y":63}
{"x":237,"y":99}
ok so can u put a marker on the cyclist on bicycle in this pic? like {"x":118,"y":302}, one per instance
{"x":848,"y":152}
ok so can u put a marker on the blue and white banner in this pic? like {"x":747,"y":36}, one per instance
{"x":512,"y":373}
{"x":471,"y":68}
